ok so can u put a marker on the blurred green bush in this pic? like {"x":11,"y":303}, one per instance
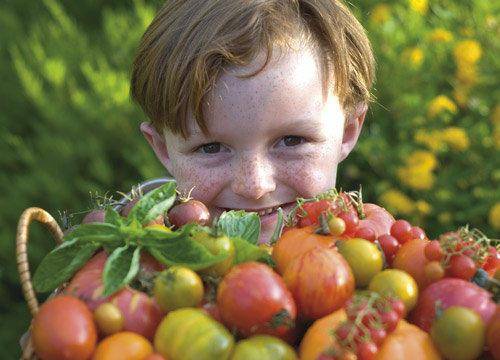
{"x":429,"y":149}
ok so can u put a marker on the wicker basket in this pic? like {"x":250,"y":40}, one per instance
{"x":22,"y":237}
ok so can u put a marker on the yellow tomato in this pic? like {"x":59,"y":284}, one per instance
{"x":396,"y":283}
{"x":364,"y":258}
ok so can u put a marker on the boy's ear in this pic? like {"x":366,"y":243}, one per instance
{"x":352,"y":129}
{"x":157,"y":142}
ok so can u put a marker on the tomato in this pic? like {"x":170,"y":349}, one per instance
{"x":493,"y":335}
{"x":364,"y":258}
{"x":492,"y":262}
{"x":462,"y":267}
{"x":434,"y":271}
{"x":217,"y":245}
{"x":63,"y":328}
{"x":433,"y":251}
{"x":367,"y":350}
{"x":191,"y":211}
{"x":401,"y":230}
{"x":336,"y":226}
{"x":451,"y":292}
{"x":365,"y":233}
{"x":406,"y":342}
{"x":155,"y":356}
{"x":268,"y":306}
{"x":109,"y":318}
{"x":178,"y":287}
{"x":390,"y":247}
{"x":295,"y":242}
{"x":459,"y":333}
{"x":189,"y":333}
{"x":124,"y":345}
{"x":309,"y":212}
{"x":212,"y":309}
{"x":376,"y":218}
{"x":320,"y":280}
{"x":97,"y":215}
{"x":263,"y":347}
{"x":393,"y":282}
{"x":351,"y":221}
{"x":411,"y":258}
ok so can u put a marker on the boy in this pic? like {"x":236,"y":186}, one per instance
{"x":253,"y":103}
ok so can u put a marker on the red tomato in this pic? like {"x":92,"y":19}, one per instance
{"x":191,"y":211}
{"x":309,"y":213}
{"x":493,"y":335}
{"x":64,"y":328}
{"x":351,"y":221}
{"x":390,"y":247}
{"x":451,"y":292}
{"x":461,"y":267}
{"x":400,"y":229}
{"x":367,"y":350}
{"x":376,"y":218}
{"x":411,"y":258}
{"x":417,"y":232}
{"x":492,"y":262}
{"x":321,"y":282}
{"x":434,"y":251}
{"x":365,"y":233}
{"x":253,"y":299}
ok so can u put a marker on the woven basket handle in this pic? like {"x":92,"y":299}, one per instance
{"x":25,"y":220}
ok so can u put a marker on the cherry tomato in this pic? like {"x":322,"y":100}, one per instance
{"x":336,"y":226}
{"x":390,"y":246}
{"x":63,"y":328}
{"x":343,"y":331}
{"x":367,"y":350}
{"x":378,"y":335}
{"x":434,"y":271}
{"x":263,"y":347}
{"x":461,"y":267}
{"x":434,"y":251}
{"x":123,"y":345}
{"x":95,"y":216}
{"x":492,"y":261}
{"x":393,"y":282}
{"x":191,"y":211}
{"x":390,"y":320}
{"x":459,"y":333}
{"x":365,"y":233}
{"x":178,"y":287}
{"x":398,"y":306}
{"x":109,"y":318}
{"x":417,"y":232}
{"x":155,"y":356}
{"x":400,"y":230}
{"x":310,"y":212}
{"x":364,"y":258}
{"x":351,"y":220}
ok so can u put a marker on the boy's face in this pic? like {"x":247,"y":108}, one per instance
{"x":273,"y":138}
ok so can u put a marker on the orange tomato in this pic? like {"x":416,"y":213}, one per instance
{"x":411,"y":258}
{"x":406,"y":342}
{"x":124,"y":345}
{"x":297,"y":241}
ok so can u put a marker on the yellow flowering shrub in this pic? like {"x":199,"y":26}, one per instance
{"x":397,"y":202}
{"x":414,"y":57}
{"x":420,"y":6}
{"x":380,"y":13}
{"x":441,"y":104}
{"x":494,"y":216}
{"x":456,"y":138}
{"x":440,"y":35}
{"x":467,"y":52}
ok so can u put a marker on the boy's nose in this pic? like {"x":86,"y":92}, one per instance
{"x":253,"y":177}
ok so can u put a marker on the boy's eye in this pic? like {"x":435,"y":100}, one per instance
{"x":211,"y":148}
{"x":291,"y":140}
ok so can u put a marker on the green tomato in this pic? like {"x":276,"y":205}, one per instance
{"x":178,"y":287}
{"x":190,"y":334}
{"x":217,"y":245}
{"x":263,"y":347}
{"x":459,"y":333}
{"x":364,"y":258}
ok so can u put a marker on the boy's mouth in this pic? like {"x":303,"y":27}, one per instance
{"x":262,"y":212}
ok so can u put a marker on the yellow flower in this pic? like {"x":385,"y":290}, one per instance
{"x":380,"y":13}
{"x":416,"y":177}
{"x":444,"y":218}
{"x":397,"y":202}
{"x":440,"y":35}
{"x":439,"y":104}
{"x":420,"y":6}
{"x":467,"y":52}
{"x":422,"y":159}
{"x":431,"y":139}
{"x":456,"y":138}
{"x":467,"y":74}
{"x":423,"y":207}
{"x":495,"y":115}
{"x":414,"y":56}
{"x":494,"y":216}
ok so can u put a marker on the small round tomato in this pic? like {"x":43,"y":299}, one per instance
{"x":263,"y":347}
{"x":390,"y":320}
{"x":365,"y":233}
{"x":178,"y":287}
{"x":351,"y":220}
{"x":123,"y":345}
{"x":189,"y":333}
{"x":461,"y":267}
{"x":400,"y":229}
{"x":434,"y":271}
{"x":336,"y":226}
{"x":64,"y":329}
{"x":253,"y":299}
{"x":191,"y":211}
{"x":109,"y":318}
{"x":411,"y":258}
{"x":309,"y":212}
{"x":364,"y":258}
{"x":217,"y":245}
{"x":367,"y":350}
{"x":459,"y":333}
{"x":390,"y":246}
{"x":393,"y":282}
{"x":433,"y":251}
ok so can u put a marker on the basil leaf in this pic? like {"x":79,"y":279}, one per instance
{"x":113,"y":217}
{"x":157,"y":238}
{"x":245,"y":225}
{"x":121,"y":268}
{"x":154,"y":203}
{"x":61,"y":263}
{"x":92,"y":229}
{"x":246,"y":251}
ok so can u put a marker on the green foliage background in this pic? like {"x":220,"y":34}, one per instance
{"x":429,"y":149}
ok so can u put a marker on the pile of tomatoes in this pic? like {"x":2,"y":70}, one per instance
{"x":347,"y":281}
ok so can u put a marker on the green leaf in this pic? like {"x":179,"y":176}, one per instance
{"x":179,"y":248}
{"x":113,"y":217}
{"x":61,"y":263}
{"x":278,"y":229}
{"x":92,"y":229}
{"x":121,"y":268}
{"x":154,"y":203}
{"x":245,"y":225}
{"x":246,"y":251}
